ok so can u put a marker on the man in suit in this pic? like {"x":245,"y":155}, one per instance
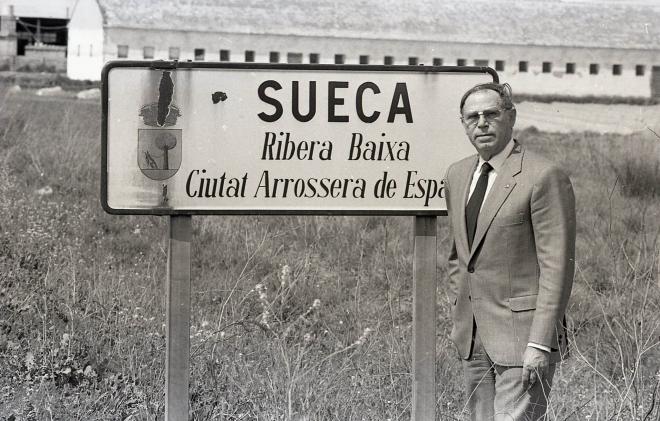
{"x":511,"y":264}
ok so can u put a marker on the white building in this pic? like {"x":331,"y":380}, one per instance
{"x":550,"y":47}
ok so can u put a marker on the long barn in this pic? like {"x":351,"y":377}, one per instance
{"x":559,"y":48}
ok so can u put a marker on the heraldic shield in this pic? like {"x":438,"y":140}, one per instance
{"x":159,"y":152}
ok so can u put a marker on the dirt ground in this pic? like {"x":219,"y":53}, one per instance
{"x":601,"y":118}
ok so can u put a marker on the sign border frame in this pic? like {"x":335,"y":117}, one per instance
{"x":189,"y":64}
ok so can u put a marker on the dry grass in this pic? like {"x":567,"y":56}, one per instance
{"x":615,"y":307}
{"x":82,"y":299}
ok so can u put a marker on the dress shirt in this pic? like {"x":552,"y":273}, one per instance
{"x":497,"y":162}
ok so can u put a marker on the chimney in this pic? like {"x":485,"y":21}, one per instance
{"x":8,"y":22}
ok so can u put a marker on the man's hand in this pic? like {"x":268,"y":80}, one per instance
{"x":535,"y":366}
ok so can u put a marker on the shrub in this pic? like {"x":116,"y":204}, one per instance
{"x":639,"y":173}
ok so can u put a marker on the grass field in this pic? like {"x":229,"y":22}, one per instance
{"x":294,"y":318}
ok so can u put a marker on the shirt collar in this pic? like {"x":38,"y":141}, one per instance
{"x":497,"y":161}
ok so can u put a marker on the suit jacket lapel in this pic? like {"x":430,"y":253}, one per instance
{"x":465,"y":176}
{"x":502,"y":187}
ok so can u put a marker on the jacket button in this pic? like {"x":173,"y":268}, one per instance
{"x":470,"y":269}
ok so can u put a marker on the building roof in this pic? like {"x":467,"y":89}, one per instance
{"x":613,"y":24}
{"x":54,"y":9}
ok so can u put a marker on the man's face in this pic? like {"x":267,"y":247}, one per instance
{"x":487,"y":123}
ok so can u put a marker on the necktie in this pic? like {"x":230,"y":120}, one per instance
{"x":474,"y":204}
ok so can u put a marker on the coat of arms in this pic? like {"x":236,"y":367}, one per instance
{"x":159,"y":152}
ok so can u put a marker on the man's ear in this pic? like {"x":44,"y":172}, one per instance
{"x":513,"y":116}
{"x":463,"y":122}
{"x":465,"y":128}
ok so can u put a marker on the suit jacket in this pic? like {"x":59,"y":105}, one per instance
{"x":516,"y":280}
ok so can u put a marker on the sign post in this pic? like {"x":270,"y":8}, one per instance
{"x":424,"y":284}
{"x":177,"y":328}
{"x":199,"y":138}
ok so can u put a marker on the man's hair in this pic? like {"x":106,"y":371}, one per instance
{"x":503,"y":89}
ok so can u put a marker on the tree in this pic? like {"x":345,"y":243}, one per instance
{"x":165,"y":142}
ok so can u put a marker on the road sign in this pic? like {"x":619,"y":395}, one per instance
{"x":244,"y":138}
{"x":212,"y":138}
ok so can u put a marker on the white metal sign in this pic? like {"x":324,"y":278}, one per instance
{"x":186,"y":138}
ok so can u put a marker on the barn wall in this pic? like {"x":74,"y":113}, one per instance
{"x":85,"y":56}
{"x":534,"y":81}
{"x":44,"y":57}
{"x":581,"y":82}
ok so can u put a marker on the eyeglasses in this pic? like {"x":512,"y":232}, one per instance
{"x":489,"y":116}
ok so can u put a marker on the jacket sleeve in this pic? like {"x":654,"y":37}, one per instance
{"x":553,"y":223}
{"x":452,"y":260}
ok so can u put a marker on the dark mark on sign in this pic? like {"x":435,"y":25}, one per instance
{"x":163,"y":113}
{"x":218,"y":96}
{"x":164,"y":200}
{"x":165,"y":91}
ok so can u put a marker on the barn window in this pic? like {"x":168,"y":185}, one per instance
{"x":224,"y":55}
{"x":314,"y":58}
{"x":199,"y":54}
{"x":148,"y":53}
{"x":437,"y":61}
{"x":274,"y":57}
{"x":547,"y":67}
{"x":364,"y":59}
{"x":593,"y":69}
{"x":639,"y":70}
{"x":295,"y":58}
{"x":340,"y":59}
{"x":413,"y":61}
{"x":499,"y":65}
{"x":91,"y":49}
{"x":461,"y":62}
{"x":570,"y":68}
{"x":249,"y":56}
{"x":122,"y":51}
{"x":388,"y":60}
{"x":616,"y":69}
{"x":482,"y":63}
{"x":522,"y":66}
{"x":174,"y":53}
